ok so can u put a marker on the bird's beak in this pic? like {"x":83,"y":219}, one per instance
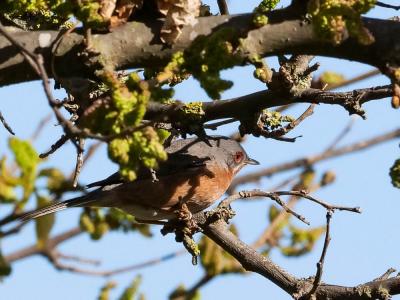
{"x":250,"y":161}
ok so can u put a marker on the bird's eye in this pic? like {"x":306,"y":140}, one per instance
{"x":238,"y":157}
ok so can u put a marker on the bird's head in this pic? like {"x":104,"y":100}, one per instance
{"x":233,"y":154}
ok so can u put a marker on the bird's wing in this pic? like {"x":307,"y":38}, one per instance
{"x":176,"y":163}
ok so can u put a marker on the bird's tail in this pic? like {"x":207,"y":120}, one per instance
{"x":52,"y":208}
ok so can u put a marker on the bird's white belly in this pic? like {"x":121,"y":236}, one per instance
{"x":147,"y":213}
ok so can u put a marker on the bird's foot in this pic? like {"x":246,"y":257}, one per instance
{"x":184,"y":227}
{"x":189,"y":225}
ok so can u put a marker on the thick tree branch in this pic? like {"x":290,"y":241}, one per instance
{"x":251,"y":103}
{"x":251,"y":260}
{"x":138,"y":44}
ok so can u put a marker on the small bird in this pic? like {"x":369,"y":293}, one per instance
{"x":197,"y":173}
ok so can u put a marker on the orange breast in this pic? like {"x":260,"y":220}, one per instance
{"x":197,"y":188}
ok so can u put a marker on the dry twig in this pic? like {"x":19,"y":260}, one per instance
{"x":5,"y":124}
{"x":320,"y":264}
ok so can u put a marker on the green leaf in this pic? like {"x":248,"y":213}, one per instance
{"x":105,"y":290}
{"x":120,"y":220}
{"x":273,"y":213}
{"x":131,"y":291}
{"x":27,"y":160}
{"x":331,"y":78}
{"x":306,"y":179}
{"x":43,"y":224}
{"x":180,"y":293}
{"x":93,"y":221}
{"x":7,"y":184}
{"x":7,"y":194}
{"x":26,"y":156}
{"x":395,"y":174}
{"x":56,"y":181}
{"x":302,"y":240}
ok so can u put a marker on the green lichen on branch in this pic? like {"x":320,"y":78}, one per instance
{"x":131,"y":147}
{"x":204,"y":59}
{"x":260,"y":18}
{"x":336,"y":19}
{"x":190,"y":118}
{"x":273,"y":120}
{"x":37,"y":14}
{"x":208,"y":55}
{"x":395,"y":173}
{"x":142,"y":148}
{"x":363,"y":290}
{"x":174,"y":72}
{"x":88,"y":12}
{"x":193,"y":110}
{"x":53,"y":14}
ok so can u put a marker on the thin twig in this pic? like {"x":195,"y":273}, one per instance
{"x":53,"y":148}
{"x":36,"y":133}
{"x":385,"y":275}
{"x":285,"y":182}
{"x":90,"y":151}
{"x":324,"y":204}
{"x":353,"y":79}
{"x":52,"y":243}
{"x":320,"y":264}
{"x":89,"y":154}
{"x":5,"y":124}
{"x":341,"y":135}
{"x":223,"y":7}
{"x":79,"y":161}
{"x":12,"y":231}
{"x":145,"y":264}
{"x":188,"y":294}
{"x":78,"y":259}
{"x":284,"y":130}
{"x":214,"y":126}
{"x":267,"y":235}
{"x":381,"y":4}
{"x":55,"y":258}
{"x":311,"y":160}
{"x":258,"y":193}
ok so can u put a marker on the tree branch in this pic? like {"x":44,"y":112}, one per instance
{"x":251,"y":260}
{"x":252,"y":103}
{"x":138,"y":44}
{"x":311,"y":160}
{"x":5,"y":124}
{"x":52,"y":243}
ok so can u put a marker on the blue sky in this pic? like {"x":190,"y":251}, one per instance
{"x":362,"y":247}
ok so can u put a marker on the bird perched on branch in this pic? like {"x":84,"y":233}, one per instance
{"x":197,"y":173}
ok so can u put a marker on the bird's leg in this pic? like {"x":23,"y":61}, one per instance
{"x":184,"y":227}
{"x":184,"y":215}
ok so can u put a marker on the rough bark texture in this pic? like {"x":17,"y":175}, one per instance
{"x":138,"y":45}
